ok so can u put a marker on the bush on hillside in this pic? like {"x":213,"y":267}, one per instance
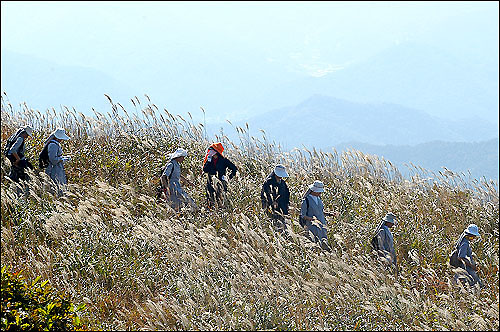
{"x":35,"y":306}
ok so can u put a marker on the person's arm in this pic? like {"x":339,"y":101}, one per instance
{"x":303,"y":211}
{"x":462,"y":256}
{"x":208,"y":168}
{"x":15,"y":147}
{"x":266,"y":189}
{"x":232,"y":167}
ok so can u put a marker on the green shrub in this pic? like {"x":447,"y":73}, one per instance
{"x":35,"y":306}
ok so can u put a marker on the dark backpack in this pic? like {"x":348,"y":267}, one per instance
{"x":43,"y":157}
{"x":12,"y":139}
{"x":454,"y":261}
{"x":159,"y":189}
{"x":374,"y":243}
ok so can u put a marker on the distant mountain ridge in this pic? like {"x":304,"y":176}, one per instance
{"x":323,"y":121}
{"x":397,"y":133}
{"x":480,"y":158}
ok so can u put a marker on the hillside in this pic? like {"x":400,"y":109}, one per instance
{"x":139,"y":265}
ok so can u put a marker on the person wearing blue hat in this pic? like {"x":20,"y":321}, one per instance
{"x":466,"y":262}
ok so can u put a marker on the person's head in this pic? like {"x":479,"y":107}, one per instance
{"x":179,"y":155}
{"x":389,"y":219}
{"x":27,"y":131}
{"x":472,"y":232}
{"x":217,"y":147}
{"x":60,"y":135}
{"x":280,"y":172}
{"x":316,"y":188}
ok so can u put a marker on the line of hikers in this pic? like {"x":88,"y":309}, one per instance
{"x":275,"y":197}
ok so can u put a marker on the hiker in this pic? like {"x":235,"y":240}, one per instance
{"x":312,"y":214}
{"x":215,"y":164}
{"x":385,"y":241}
{"x":467,"y":266}
{"x":275,"y":195}
{"x":170,"y":181}
{"x":56,"y":159}
{"x":15,"y":152}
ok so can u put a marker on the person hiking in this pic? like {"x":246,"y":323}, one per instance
{"x":467,"y":266}
{"x":15,"y":151}
{"x":170,"y":181}
{"x":312,"y":214}
{"x":275,"y":196}
{"x":215,"y":164}
{"x":56,"y":159}
{"x":384,"y":241}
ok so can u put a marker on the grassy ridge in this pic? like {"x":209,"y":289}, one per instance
{"x":139,"y":265}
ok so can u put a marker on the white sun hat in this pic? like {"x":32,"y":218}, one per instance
{"x":280,"y":171}
{"x":472,"y":230}
{"x":317,"y":187}
{"x":179,"y":153}
{"x":389,"y":217}
{"x":60,"y":133}
{"x":28,"y":130}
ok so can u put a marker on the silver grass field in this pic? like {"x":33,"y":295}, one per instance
{"x":139,"y":265}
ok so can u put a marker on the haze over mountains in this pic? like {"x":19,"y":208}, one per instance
{"x":430,"y":75}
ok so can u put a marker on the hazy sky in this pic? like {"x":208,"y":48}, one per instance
{"x":70,"y":32}
{"x":134,"y":42}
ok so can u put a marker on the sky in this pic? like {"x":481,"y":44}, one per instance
{"x":142,"y":43}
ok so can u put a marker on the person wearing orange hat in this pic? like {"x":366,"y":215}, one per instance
{"x":215,"y":164}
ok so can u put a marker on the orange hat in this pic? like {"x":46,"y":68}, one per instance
{"x":217,"y":147}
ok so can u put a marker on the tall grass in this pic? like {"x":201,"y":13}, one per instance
{"x":138,"y":264}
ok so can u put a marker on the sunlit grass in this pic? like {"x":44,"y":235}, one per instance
{"x":138,"y":264}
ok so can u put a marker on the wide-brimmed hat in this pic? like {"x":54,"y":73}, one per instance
{"x":180,"y":152}
{"x":389,"y":217}
{"x":218,"y":147}
{"x":28,"y":130}
{"x":280,"y":171}
{"x":60,"y":133}
{"x":472,"y":230}
{"x":317,"y":187}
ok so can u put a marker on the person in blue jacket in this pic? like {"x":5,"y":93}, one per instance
{"x":15,"y":151}
{"x":468,"y":267}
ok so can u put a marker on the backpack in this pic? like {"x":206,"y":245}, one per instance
{"x":43,"y":157}
{"x":302,"y":221}
{"x":159,"y":189}
{"x":454,"y":261}
{"x":374,"y":243}
{"x":12,"y":139}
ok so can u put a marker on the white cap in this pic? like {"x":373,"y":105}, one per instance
{"x":28,"y":130}
{"x":61,"y":134}
{"x":472,"y":230}
{"x":280,"y":171}
{"x":317,"y":187}
{"x":179,"y":153}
